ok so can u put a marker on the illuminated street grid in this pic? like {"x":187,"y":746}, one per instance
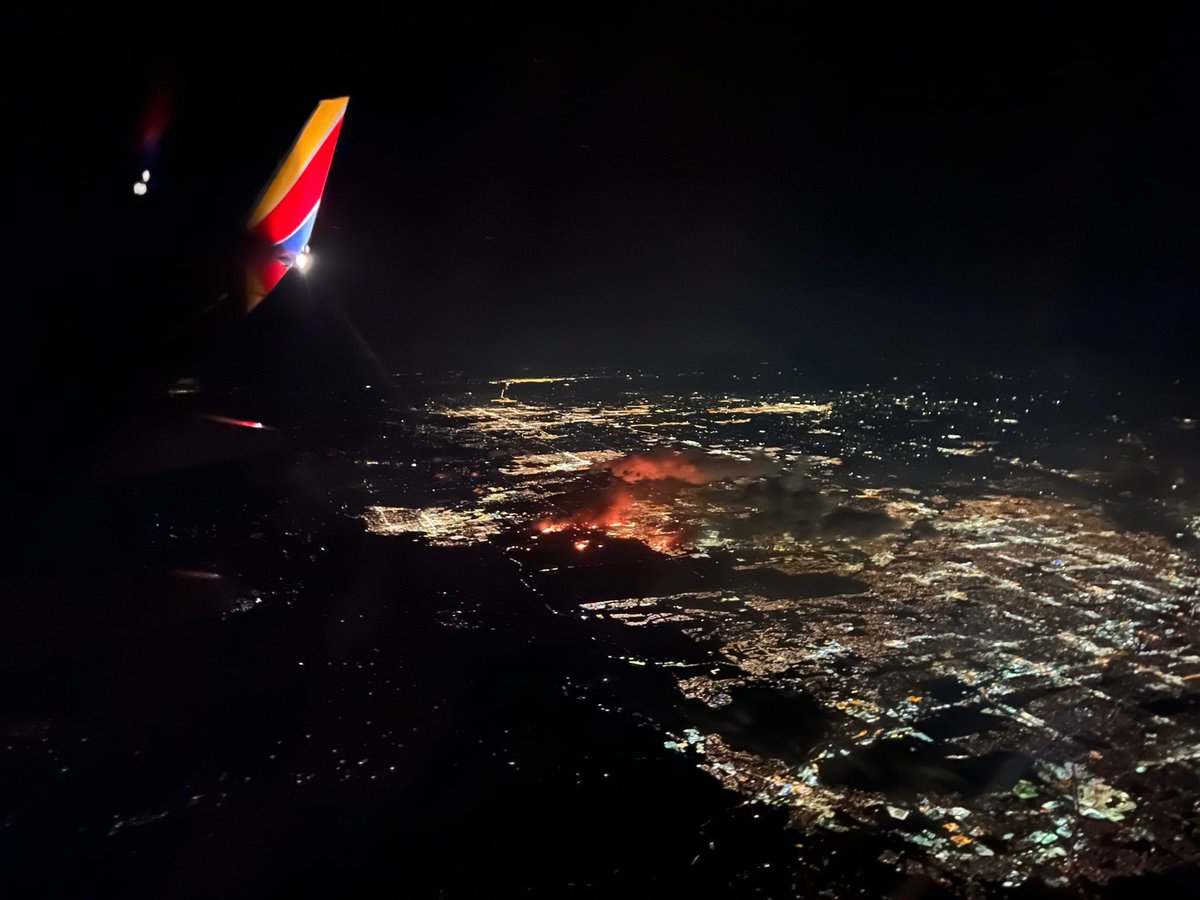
{"x":1004,"y":682}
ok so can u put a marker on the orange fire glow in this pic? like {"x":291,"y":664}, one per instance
{"x":662,"y":542}
{"x":621,"y":515}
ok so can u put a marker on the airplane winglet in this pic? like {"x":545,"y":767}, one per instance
{"x":283,"y":217}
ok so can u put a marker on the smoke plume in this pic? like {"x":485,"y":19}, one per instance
{"x":688,"y":466}
{"x":662,"y":497}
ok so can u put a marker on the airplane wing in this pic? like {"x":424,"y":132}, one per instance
{"x":164,"y":440}
{"x":284,"y":214}
{"x":127,"y":424}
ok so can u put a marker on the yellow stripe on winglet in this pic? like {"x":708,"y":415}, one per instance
{"x":312,"y":136}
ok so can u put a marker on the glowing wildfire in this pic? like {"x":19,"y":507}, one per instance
{"x":620,"y":515}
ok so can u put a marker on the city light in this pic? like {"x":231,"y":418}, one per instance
{"x":889,"y":551}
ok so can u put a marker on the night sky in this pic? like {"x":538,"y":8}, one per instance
{"x":725,"y":184}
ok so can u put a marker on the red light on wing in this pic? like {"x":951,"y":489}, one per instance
{"x":240,"y":423}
